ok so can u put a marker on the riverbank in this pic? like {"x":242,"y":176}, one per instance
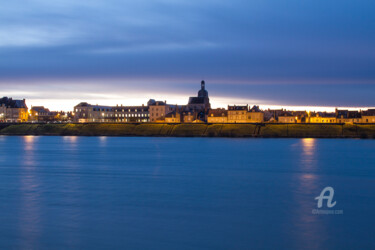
{"x":195,"y":130}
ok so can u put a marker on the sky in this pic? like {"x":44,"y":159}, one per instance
{"x":291,"y":53}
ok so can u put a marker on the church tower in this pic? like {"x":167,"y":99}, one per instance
{"x":201,"y":102}
{"x":203,"y":92}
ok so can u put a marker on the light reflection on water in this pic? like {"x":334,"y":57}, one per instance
{"x":71,"y":139}
{"x":29,"y":142}
{"x":185,"y":193}
{"x":103,"y":141}
{"x":30,"y":215}
{"x":307,"y":228}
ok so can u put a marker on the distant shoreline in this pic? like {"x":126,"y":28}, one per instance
{"x":261,"y":130}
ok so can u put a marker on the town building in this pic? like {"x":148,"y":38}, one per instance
{"x":255,"y":115}
{"x":42,"y":114}
{"x":322,"y":117}
{"x":182,"y":114}
{"x":368,"y":116}
{"x":293,"y":117}
{"x":13,"y":110}
{"x":173,"y":117}
{"x":301,"y":116}
{"x":286,"y":117}
{"x":189,"y":116}
{"x":158,"y":110}
{"x":85,"y":112}
{"x":271,"y":115}
{"x":348,"y":116}
{"x":131,"y":113}
{"x":237,"y":114}
{"x":219,"y":115}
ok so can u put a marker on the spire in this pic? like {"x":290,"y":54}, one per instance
{"x":203,"y":92}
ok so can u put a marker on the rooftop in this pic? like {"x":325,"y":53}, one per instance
{"x":234,"y":107}
{"x":10,"y":103}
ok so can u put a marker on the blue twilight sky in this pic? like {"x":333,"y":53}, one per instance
{"x":268,"y":52}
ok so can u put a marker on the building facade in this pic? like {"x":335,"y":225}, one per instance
{"x":42,"y":114}
{"x":173,"y":117}
{"x":217,"y":116}
{"x":348,"y":116}
{"x":255,"y":115}
{"x":368,"y":116}
{"x":286,"y":117}
{"x":131,"y":114}
{"x":322,"y":117}
{"x":237,"y":114}
{"x":158,"y":110}
{"x":13,"y":110}
{"x":85,"y":112}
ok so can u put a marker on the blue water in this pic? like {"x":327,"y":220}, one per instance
{"x":184,"y":193}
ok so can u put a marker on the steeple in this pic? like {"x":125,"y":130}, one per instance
{"x":203,"y":92}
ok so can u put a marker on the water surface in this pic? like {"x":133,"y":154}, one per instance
{"x":184,"y":193}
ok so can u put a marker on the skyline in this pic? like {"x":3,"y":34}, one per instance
{"x":113,"y":98}
{"x":311,"y":53}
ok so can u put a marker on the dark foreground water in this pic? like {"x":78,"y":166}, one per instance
{"x":185,"y":193}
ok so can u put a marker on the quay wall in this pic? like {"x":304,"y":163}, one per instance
{"x":194,"y":130}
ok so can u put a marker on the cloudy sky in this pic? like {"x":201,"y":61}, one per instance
{"x":268,"y":52}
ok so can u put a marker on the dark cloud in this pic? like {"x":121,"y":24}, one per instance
{"x":294,"y":51}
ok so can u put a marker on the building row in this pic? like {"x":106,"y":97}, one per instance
{"x":15,"y":111}
{"x":155,"y":111}
{"x":339,"y":116}
{"x":197,"y":110}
